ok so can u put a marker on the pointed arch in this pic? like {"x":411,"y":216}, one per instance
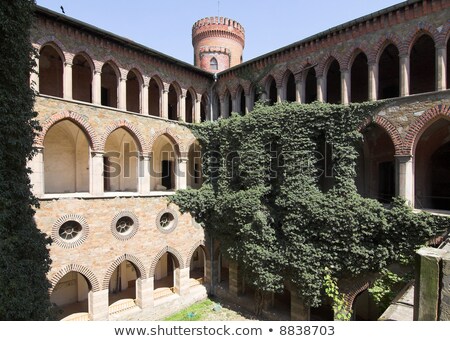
{"x":140,"y":268}
{"x":421,"y":124}
{"x":289,"y":87}
{"x":180,"y":149}
{"x":170,"y":250}
{"x":130,"y":128}
{"x":200,"y":243}
{"x":389,"y":128}
{"x":56,"y":44}
{"x":383,"y":42}
{"x":83,"y":270}
{"x":77,"y":119}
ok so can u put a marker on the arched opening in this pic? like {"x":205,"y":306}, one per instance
{"x":197,"y":267}
{"x":163,"y":165}
{"x":194,"y":166}
{"x":272,"y":90}
{"x":154,"y":98}
{"x":50,"y":72}
{"x":310,"y":85}
{"x":66,"y":151}
{"x":334,"y":83}
{"x":213,"y":65}
{"x":121,"y":161}
{"x":217,"y":107}
{"x":280,"y":304}
{"x":359,"y":79}
{"x":432,"y":167}
{"x":364,"y":308}
{"x":166,"y":272}
{"x":133,"y":92}
{"x":122,"y":287}
{"x":228,"y":104}
{"x":290,"y":88}
{"x":323,"y":312}
{"x":189,"y":108}
{"x":109,"y":86}
{"x":242,"y":106}
{"x":376,"y":165}
{"x":223,"y":272}
{"x":389,"y":73}
{"x":422,"y":65}
{"x":71,"y":296}
{"x":81,"y":79}
{"x":256,"y":92}
{"x":172,"y":103}
{"x":204,"y":107}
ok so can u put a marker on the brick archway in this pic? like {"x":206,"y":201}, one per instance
{"x":75,"y":118}
{"x":200,"y":243}
{"x":419,"y":126}
{"x":389,"y":128}
{"x":86,"y":272}
{"x":180,"y":149}
{"x":130,"y":128}
{"x":132,"y":259}
{"x":170,"y":250}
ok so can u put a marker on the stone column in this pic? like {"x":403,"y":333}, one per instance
{"x":223,"y":107}
{"x":441,"y":68}
{"x":345,"y":87}
{"x":404,"y":75}
{"x":299,"y":91}
{"x":98,"y":305}
{"x":97,"y":88}
{"x":427,"y":286}
{"x":299,"y":311}
{"x":122,"y":98}
{"x":144,"y":97}
{"x":404,"y":184}
{"x":280,"y":94}
{"x":182,"y":173}
{"x":182,"y":112}
{"x":67,"y":82}
{"x":234,"y":279}
{"x":373,"y":82}
{"x":165,"y":102}
{"x":37,"y":175}
{"x":248,"y":104}
{"x":444,"y":306}
{"x":234,"y":104}
{"x":34,"y":76}
{"x":144,"y":292}
{"x":198,"y":109}
{"x":321,"y":85}
{"x":96,"y":174}
{"x":144,"y":174}
{"x":182,"y":281}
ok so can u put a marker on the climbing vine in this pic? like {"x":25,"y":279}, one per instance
{"x":279,"y":194}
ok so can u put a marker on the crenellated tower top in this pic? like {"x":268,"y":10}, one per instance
{"x":218,"y":43}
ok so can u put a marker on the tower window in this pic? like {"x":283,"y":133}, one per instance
{"x":213,"y":64}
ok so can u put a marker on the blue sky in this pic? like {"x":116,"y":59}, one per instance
{"x":166,"y":25}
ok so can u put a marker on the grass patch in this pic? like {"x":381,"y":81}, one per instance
{"x":195,"y":312}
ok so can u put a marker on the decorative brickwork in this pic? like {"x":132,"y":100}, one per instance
{"x":86,"y":272}
{"x":173,"y":252}
{"x":125,"y":124}
{"x":389,"y":128}
{"x":180,"y":149}
{"x":78,"y":119}
{"x":133,"y":229}
{"x":200,"y":243}
{"x":420,"y":125}
{"x":82,"y":235}
{"x":139,"y":266}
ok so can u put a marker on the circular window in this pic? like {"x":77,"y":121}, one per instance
{"x":70,"y":231}
{"x":167,"y":220}
{"x":124,"y":225}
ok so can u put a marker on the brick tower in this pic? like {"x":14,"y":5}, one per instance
{"x":218,"y":43}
